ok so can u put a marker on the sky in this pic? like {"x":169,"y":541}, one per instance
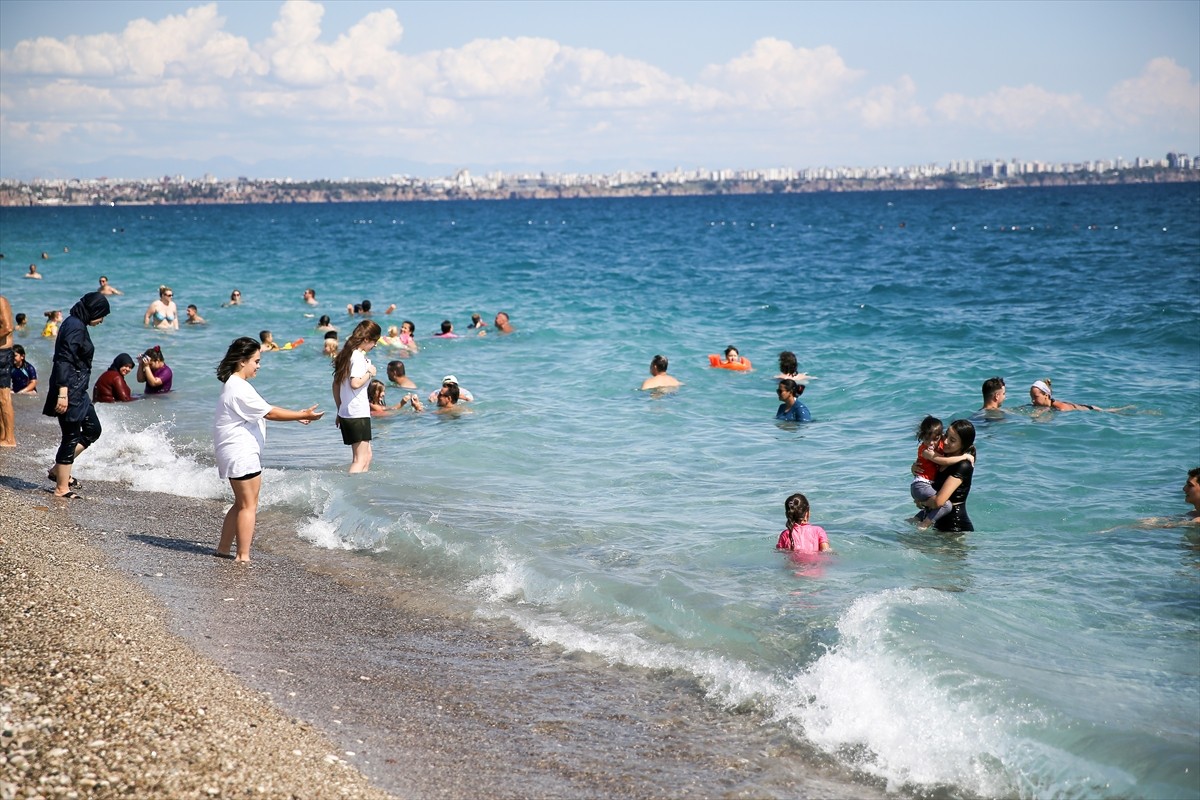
{"x":370,"y":88}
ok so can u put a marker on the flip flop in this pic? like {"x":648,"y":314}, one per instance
{"x":230,"y":556}
{"x":67,"y":496}
{"x":71,"y":484}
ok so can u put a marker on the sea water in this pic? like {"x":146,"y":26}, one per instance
{"x":1053,"y":652}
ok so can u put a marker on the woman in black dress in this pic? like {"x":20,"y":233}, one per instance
{"x":953,"y":483}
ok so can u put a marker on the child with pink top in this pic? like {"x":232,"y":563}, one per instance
{"x":799,"y":536}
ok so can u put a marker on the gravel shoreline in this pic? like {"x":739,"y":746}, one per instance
{"x":134,"y":664}
{"x":99,"y":699}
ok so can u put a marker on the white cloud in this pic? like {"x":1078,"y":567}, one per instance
{"x":890,"y":106}
{"x":193,"y":42}
{"x":774,"y":74}
{"x":1164,"y":90}
{"x":1019,"y":110}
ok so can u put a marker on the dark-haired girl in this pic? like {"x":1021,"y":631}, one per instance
{"x":352,"y":372}
{"x":799,"y":536}
{"x":239,"y":434}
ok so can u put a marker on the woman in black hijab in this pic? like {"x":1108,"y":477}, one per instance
{"x":67,"y":397}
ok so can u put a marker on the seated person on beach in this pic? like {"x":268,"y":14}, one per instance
{"x":193,"y":316}
{"x":459,"y":392}
{"x":310,"y":296}
{"x":659,"y":379}
{"x":790,"y":408}
{"x":33,"y":273}
{"x":267,"y":341}
{"x":111,"y":386}
{"x":377,"y":397}
{"x":154,"y":372}
{"x":447,"y":331}
{"x":397,"y":374}
{"x":24,"y":376}
{"x":235,"y":299}
{"x":789,"y":368}
{"x":106,"y":287}
{"x":1041,"y":395}
{"x":502,"y":324}
{"x":331,"y":344}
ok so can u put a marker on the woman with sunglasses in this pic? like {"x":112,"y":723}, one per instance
{"x":235,"y":299}
{"x":163,"y":313}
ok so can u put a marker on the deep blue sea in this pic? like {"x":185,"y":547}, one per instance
{"x":1053,"y":652}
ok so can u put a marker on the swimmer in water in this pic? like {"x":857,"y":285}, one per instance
{"x":1041,"y":395}
{"x":106,"y":287}
{"x":659,"y":379}
{"x":799,"y":536}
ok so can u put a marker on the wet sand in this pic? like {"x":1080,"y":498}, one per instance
{"x":133,"y":657}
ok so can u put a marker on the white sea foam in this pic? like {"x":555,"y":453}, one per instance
{"x":895,"y":716}
{"x":147,"y":460}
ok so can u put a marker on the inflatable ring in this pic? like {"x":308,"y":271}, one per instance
{"x":715,"y":361}
{"x":290,"y":345}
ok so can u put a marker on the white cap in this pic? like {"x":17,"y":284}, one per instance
{"x":449,"y":379}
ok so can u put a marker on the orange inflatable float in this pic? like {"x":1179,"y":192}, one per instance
{"x":715,"y":361}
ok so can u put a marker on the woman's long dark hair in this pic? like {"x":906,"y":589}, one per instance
{"x":366,"y":331}
{"x":241,"y":349}
{"x":787,"y":363}
{"x":966,"y":435}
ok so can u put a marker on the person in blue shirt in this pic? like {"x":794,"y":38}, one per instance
{"x":790,"y":407}
{"x":24,"y":376}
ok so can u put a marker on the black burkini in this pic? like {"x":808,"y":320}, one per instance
{"x":72,"y":369}
{"x":957,"y":520}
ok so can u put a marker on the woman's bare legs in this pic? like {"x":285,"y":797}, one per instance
{"x":239,"y":520}
{"x":360,"y":457}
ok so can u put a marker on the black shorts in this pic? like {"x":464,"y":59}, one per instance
{"x":355,"y":429}
{"x":248,"y":477}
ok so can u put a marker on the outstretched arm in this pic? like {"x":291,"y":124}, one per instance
{"x":303,"y":416}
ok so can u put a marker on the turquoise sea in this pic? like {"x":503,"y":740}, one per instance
{"x":1053,"y":652}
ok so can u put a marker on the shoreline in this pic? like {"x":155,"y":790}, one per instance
{"x":99,"y":697}
{"x":368,"y":676}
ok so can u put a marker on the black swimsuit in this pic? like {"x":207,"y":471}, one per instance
{"x":957,"y":520}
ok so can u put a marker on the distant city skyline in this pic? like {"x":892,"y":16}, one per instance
{"x":358,"y":89}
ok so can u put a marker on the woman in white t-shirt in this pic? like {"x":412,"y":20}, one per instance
{"x":352,"y":372}
{"x":239,"y":433}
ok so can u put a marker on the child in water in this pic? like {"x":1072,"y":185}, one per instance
{"x":377,"y":396}
{"x":929,"y":458}
{"x":799,"y":536}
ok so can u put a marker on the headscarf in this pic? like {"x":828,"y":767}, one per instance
{"x":91,"y":306}
{"x":122,"y":360}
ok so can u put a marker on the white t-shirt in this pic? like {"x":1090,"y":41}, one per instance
{"x":353,"y":403}
{"x":239,"y":429}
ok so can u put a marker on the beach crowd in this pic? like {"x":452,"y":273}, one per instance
{"x":943,"y":469}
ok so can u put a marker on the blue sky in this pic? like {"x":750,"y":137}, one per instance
{"x":359,"y":88}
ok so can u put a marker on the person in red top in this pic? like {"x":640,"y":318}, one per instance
{"x":111,"y":387}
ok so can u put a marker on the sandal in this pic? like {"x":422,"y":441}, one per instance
{"x":71,"y":484}
{"x":67,"y":496}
